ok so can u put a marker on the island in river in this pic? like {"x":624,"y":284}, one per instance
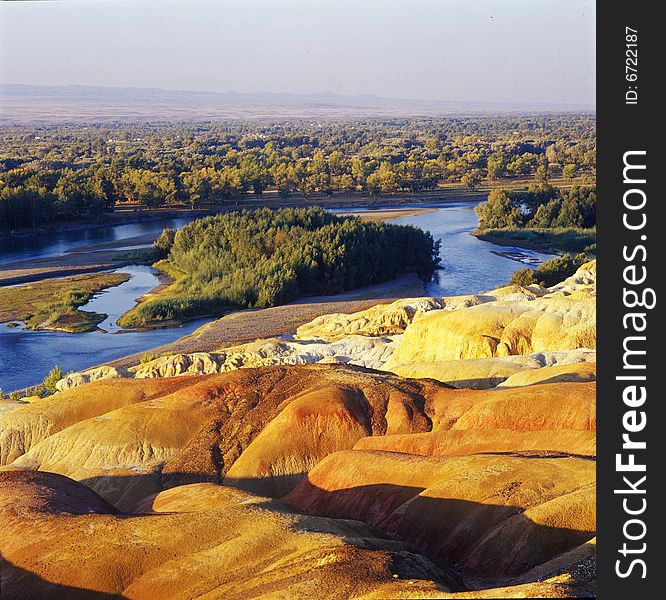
{"x":54,"y":304}
{"x":232,"y":426}
{"x":465,"y":262}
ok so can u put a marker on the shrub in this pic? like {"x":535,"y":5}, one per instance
{"x":565,"y":240}
{"x":148,"y":255}
{"x":54,"y":376}
{"x":523,"y":277}
{"x":549,"y":273}
{"x":37,"y":390}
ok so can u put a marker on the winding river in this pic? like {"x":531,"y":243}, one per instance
{"x":469,"y":265}
{"x":56,"y":243}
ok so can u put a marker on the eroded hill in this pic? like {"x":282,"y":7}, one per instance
{"x":270,"y":476}
{"x":455,"y":474}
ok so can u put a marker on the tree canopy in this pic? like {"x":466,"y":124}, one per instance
{"x":543,"y":207}
{"x":70,"y":172}
{"x":264,"y":257}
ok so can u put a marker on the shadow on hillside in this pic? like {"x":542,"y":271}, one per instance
{"x":17,"y":583}
{"x":537,"y":454}
{"x":454,"y":543}
{"x":124,"y":491}
{"x":274,"y":486}
{"x":479,"y":540}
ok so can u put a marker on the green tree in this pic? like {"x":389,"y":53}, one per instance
{"x":497,"y":164}
{"x":149,"y":188}
{"x":546,"y":215}
{"x":569,"y":171}
{"x":164,"y":242}
{"x":472,"y":179}
{"x":54,"y":376}
{"x":498,"y":212}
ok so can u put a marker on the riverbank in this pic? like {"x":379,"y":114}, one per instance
{"x":76,"y":263}
{"x":136,"y":214}
{"x":550,"y":241}
{"x":386,"y":215}
{"x":53,"y":304}
{"x":252,"y":324}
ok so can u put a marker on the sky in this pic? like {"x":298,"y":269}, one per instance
{"x":526,"y":51}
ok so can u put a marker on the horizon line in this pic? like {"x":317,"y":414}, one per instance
{"x":587,"y":106}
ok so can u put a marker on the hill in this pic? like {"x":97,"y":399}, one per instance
{"x":33,"y":103}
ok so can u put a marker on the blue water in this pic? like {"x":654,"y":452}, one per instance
{"x":27,"y":356}
{"x":50,"y":244}
{"x":469,"y":266}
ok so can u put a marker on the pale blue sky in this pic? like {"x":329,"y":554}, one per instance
{"x":474,"y":50}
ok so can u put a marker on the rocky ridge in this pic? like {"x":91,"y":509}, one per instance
{"x":304,"y":467}
{"x":468,"y":341}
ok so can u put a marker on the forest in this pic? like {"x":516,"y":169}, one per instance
{"x":81,"y":172}
{"x":264,"y":257}
{"x":541,"y":207}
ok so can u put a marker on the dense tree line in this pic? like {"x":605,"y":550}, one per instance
{"x":69,"y":172}
{"x":542,"y":207}
{"x":265,"y":257}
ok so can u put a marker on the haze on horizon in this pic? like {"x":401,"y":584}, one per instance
{"x":502,"y":51}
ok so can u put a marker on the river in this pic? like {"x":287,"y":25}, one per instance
{"x":469,"y":265}
{"x":27,"y":356}
{"x":57,"y":243}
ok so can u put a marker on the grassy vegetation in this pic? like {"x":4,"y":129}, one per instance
{"x":137,"y":255}
{"x":159,"y":250}
{"x":550,"y":272}
{"x":46,"y":388}
{"x":563,"y":240}
{"x":150,"y":357}
{"x":23,"y":395}
{"x":53,"y":303}
{"x":267,"y":257}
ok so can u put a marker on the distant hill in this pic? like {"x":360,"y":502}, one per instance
{"x":33,"y":103}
